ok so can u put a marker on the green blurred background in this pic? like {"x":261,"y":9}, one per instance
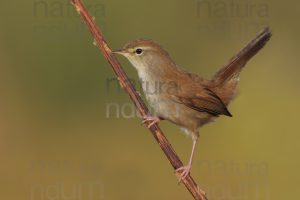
{"x":68,"y":132}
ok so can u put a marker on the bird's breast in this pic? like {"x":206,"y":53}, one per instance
{"x":155,"y":90}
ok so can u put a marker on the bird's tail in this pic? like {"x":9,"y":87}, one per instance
{"x":234,"y":66}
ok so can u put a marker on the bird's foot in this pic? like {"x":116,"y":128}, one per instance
{"x":151,"y":120}
{"x":183,"y":172}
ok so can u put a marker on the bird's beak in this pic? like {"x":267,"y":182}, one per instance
{"x":120,"y":51}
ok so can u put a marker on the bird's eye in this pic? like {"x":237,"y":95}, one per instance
{"x":139,"y":51}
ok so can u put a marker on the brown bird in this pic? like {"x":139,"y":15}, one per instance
{"x":183,"y":98}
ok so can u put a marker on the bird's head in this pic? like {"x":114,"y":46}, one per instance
{"x":145,"y":54}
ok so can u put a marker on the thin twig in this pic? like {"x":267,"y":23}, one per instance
{"x":189,"y":183}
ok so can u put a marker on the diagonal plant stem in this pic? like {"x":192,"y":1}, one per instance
{"x":189,"y":183}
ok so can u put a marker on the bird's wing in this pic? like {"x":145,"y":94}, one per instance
{"x":203,"y":101}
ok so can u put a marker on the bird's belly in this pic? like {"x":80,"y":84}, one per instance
{"x":177,"y":113}
{"x":159,"y":105}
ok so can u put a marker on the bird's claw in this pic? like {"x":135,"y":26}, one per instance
{"x":151,"y":120}
{"x":183,"y":172}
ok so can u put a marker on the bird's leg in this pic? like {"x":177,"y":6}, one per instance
{"x":185,"y":170}
{"x":152,"y":120}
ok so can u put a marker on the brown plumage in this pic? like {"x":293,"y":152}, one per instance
{"x":183,"y":98}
